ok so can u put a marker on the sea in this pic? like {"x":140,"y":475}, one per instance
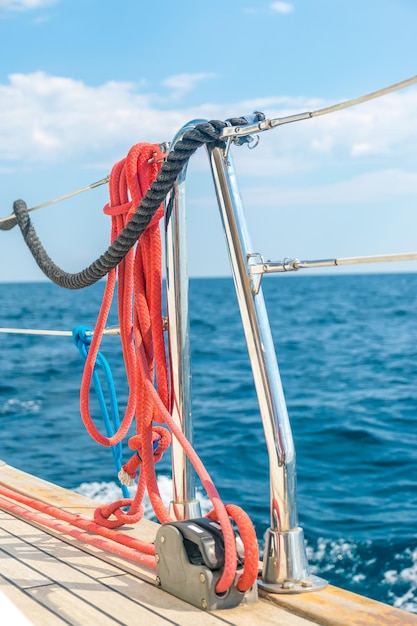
{"x":347,"y":352}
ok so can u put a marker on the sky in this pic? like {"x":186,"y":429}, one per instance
{"x":81,"y":81}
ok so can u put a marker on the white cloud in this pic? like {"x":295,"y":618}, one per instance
{"x":24,"y":5}
{"x":181,"y":84}
{"x":376,"y":135}
{"x":372,"y":213}
{"x":372,"y":187}
{"x":282,"y":7}
{"x":47,"y":118}
{"x":307,"y":177}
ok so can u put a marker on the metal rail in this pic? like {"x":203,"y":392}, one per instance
{"x":258,"y":267}
{"x":267,"y":124}
{"x":111,"y":330}
{"x":10,"y":220}
{"x":184,"y":504}
{"x":285,"y":562}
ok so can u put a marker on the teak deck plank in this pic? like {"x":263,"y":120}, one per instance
{"x":19,"y":609}
{"x":55,"y":579}
{"x":84,"y":590}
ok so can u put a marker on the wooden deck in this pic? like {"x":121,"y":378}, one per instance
{"x":47,"y":578}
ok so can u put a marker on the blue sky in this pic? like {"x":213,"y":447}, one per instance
{"x":81,"y":81}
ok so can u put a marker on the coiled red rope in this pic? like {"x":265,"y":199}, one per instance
{"x":139,"y":290}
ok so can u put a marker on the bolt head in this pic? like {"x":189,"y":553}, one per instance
{"x":203,"y":603}
{"x":157,"y":558}
{"x":157,"y":581}
{"x":288,"y":584}
{"x":202,"y":578}
{"x":162,"y":539}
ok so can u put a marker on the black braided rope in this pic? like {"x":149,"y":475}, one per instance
{"x":205,"y":133}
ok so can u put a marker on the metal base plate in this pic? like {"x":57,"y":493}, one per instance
{"x":312,"y":583}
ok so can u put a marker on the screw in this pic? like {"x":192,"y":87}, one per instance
{"x":203,"y":603}
{"x":157,"y":558}
{"x":162,"y":539}
{"x":157,"y":581}
{"x":202,"y":578}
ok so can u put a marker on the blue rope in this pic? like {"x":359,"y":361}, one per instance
{"x":111,"y":424}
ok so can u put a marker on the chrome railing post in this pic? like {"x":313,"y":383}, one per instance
{"x":184,"y":504}
{"x":285,"y":567}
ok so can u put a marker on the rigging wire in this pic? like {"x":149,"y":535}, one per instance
{"x":7,"y":223}
{"x":367,"y":97}
{"x":57,"y":333}
{"x":270,"y":123}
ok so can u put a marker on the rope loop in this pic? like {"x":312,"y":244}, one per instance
{"x":109,"y":409}
{"x":250,"y":544}
{"x":137,"y":281}
{"x":102,"y":514}
{"x":139,"y":291}
{"x":80,"y":337}
{"x":161,"y":440}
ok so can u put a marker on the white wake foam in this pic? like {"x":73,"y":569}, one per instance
{"x":404,"y":578}
{"x":347,"y":559}
{"x":13,"y":406}
{"x":107,"y":492}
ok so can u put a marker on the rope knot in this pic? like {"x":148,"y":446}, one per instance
{"x":103,"y":513}
{"x":80,"y":337}
{"x":161,"y":439}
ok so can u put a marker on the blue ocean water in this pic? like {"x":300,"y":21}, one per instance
{"x":347,"y":351}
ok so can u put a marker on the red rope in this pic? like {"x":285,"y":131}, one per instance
{"x":248,"y":536}
{"x":129,"y":547}
{"x":137,"y":284}
{"x":140,"y":317}
{"x":222,"y":513}
{"x":139,"y":279}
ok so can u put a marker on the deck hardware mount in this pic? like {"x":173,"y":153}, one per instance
{"x":258,"y":269}
{"x":190,"y":557}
